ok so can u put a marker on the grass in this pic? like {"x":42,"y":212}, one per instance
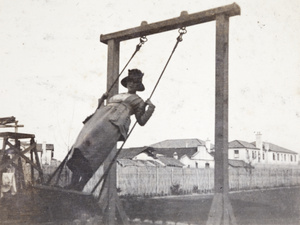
{"x":278,"y":206}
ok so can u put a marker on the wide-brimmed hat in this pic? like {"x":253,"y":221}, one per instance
{"x":136,"y":76}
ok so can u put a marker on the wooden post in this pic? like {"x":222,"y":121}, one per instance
{"x":2,"y":155}
{"x":31,"y":167}
{"x":112,"y":74}
{"x":221,"y":108}
{"x":221,"y":209}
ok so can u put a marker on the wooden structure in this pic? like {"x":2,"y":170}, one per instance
{"x":221,"y":210}
{"x":12,"y":146}
{"x":4,"y":123}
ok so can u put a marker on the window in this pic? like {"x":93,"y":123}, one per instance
{"x":196,"y":165}
{"x":253,"y":156}
{"x":263,"y":156}
{"x":236,"y":154}
{"x":284,"y":157}
{"x":291,"y":158}
{"x":273,"y":156}
{"x":206,"y":165}
{"x":278,"y":156}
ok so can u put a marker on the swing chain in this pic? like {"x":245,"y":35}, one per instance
{"x":181,"y":32}
{"x":143,"y":39}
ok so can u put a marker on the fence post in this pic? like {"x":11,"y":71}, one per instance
{"x":282,"y":177}
{"x":276,"y":173}
{"x":209,"y":171}
{"x":270,"y":178}
{"x":238,"y":179}
{"x":183,"y":179}
{"x":197,"y":177}
{"x":156,"y":180}
{"x":253,"y":179}
{"x":292,"y":176}
{"x":262,"y":174}
{"x":138,"y":180}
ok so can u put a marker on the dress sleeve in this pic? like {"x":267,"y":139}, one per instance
{"x":141,"y":114}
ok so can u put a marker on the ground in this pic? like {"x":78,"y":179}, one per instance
{"x":279,"y":206}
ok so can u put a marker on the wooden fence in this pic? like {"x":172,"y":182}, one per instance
{"x":166,"y":181}
{"x":153,"y":181}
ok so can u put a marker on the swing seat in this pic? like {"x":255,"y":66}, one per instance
{"x":60,"y":204}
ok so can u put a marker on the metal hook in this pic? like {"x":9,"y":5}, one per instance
{"x":182,"y":30}
{"x":143,"y":39}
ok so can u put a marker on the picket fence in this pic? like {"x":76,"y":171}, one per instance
{"x":151,"y":181}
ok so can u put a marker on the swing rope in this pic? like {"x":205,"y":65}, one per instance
{"x":179,"y":39}
{"x":181,"y":31}
{"x":59,"y":169}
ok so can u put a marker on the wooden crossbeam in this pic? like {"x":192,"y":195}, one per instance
{"x":14,"y":135}
{"x":8,"y":126}
{"x":184,"y":20}
{"x":5,"y":120}
{"x":2,"y":166}
{"x":21,"y":154}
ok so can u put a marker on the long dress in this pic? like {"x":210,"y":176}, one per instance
{"x":108,"y":125}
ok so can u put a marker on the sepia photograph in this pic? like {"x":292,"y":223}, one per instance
{"x":150,"y":112}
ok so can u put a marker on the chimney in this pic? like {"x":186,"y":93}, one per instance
{"x":207,"y":145}
{"x":175,"y":155}
{"x":259,"y":145}
{"x":258,"y":142}
{"x":267,"y":146}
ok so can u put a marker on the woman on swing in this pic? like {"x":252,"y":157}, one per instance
{"x":108,"y":125}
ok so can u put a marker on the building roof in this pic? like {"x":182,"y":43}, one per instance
{"x":276,"y":148}
{"x":238,"y":163}
{"x":272,"y":147}
{"x":241,"y":144}
{"x":169,"y":161}
{"x":169,"y":152}
{"x":129,"y":153}
{"x":180,"y":146}
{"x":139,"y":163}
{"x":179,"y":143}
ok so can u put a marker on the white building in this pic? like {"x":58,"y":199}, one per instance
{"x":45,"y":153}
{"x":261,"y":153}
{"x":193,"y":153}
{"x":242,"y":150}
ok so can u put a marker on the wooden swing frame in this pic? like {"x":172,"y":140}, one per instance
{"x":221,"y":210}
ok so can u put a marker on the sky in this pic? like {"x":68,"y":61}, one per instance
{"x":53,"y":69}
